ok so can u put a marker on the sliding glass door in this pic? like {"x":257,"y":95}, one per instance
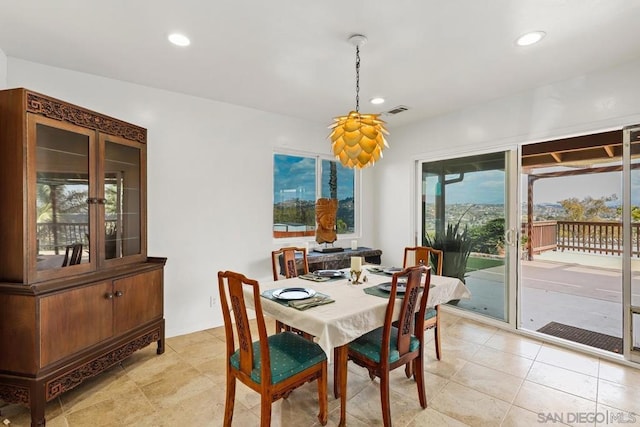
{"x":467,"y":208}
{"x":572,"y":234}
{"x":631,"y":224}
{"x":571,"y":274}
{"x":580,"y":269}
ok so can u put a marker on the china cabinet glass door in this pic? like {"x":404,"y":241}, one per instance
{"x":122,"y":178}
{"x":61,"y":210}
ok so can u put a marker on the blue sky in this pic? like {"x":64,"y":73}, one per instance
{"x":294,"y":177}
{"x":552,"y":190}
{"x":297,"y":176}
{"x":488,"y":188}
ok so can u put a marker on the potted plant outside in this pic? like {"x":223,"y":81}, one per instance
{"x":456,"y":246}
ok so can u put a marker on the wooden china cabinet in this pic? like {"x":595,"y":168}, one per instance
{"x":77,"y":291}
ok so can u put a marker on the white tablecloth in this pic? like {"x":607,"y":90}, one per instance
{"x":353,"y":313}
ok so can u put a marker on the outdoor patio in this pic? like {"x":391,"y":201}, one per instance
{"x":571,"y":288}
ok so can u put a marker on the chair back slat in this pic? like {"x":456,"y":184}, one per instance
{"x":72,"y":255}
{"x":422,"y":310}
{"x":407,"y":317}
{"x":290,"y":269}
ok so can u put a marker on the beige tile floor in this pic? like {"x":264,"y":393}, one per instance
{"x":488,"y":377}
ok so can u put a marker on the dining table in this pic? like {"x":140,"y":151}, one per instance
{"x":354,"y":310}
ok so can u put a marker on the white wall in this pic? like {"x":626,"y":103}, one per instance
{"x":588,"y":103}
{"x":3,"y":70}
{"x":210,"y":166}
{"x":210,"y":179}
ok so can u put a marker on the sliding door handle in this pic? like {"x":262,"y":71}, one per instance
{"x":510,"y":237}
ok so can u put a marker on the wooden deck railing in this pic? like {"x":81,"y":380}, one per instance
{"x":602,"y":237}
{"x":54,"y":237}
{"x":543,"y":236}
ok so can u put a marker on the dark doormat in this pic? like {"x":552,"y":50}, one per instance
{"x":583,"y":336}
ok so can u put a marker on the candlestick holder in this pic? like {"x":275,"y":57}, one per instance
{"x":355,"y":277}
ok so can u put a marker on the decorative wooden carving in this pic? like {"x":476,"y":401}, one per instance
{"x":411,"y":305}
{"x":14,"y":394}
{"x":243,"y":330}
{"x":326,"y":210}
{"x":73,"y":378}
{"x":54,"y":109}
{"x":295,"y":384}
{"x":292,"y":270}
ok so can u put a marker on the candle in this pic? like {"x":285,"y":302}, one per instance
{"x":356,"y":263}
{"x":354,"y":245}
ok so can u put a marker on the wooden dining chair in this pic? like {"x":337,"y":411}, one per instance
{"x":72,"y":255}
{"x":389,"y":347}
{"x":273,"y":365}
{"x":425,"y":255}
{"x":284,"y":261}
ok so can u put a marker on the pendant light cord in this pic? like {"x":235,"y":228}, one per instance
{"x":357,"y":79}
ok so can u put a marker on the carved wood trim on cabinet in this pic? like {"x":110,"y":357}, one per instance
{"x":14,"y":393}
{"x":59,"y":110}
{"x":75,"y":377}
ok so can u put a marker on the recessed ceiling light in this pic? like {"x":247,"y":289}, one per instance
{"x":377,"y":100}
{"x":530,"y":38}
{"x":179,"y":39}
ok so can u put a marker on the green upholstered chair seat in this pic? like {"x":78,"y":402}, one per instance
{"x":290,"y":354}
{"x":369,"y":345}
{"x":430,"y":313}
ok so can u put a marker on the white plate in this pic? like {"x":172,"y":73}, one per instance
{"x":391,"y":270}
{"x":329,"y":273}
{"x":401,"y":289}
{"x":293,"y":293}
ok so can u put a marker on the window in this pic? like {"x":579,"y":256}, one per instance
{"x":298,"y":181}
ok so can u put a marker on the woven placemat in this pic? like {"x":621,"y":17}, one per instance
{"x":376,"y":291}
{"x":269,"y":295}
{"x":315,"y":277}
{"x":379,"y":271}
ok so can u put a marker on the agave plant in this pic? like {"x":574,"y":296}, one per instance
{"x":456,"y":245}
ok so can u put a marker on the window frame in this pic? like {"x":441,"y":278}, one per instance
{"x":318,"y":158}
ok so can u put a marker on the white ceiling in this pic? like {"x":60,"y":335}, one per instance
{"x":292,"y":56}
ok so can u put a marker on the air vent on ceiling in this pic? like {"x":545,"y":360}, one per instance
{"x":397,"y":110}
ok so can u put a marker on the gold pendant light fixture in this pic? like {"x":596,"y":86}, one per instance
{"x":357,"y":140}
